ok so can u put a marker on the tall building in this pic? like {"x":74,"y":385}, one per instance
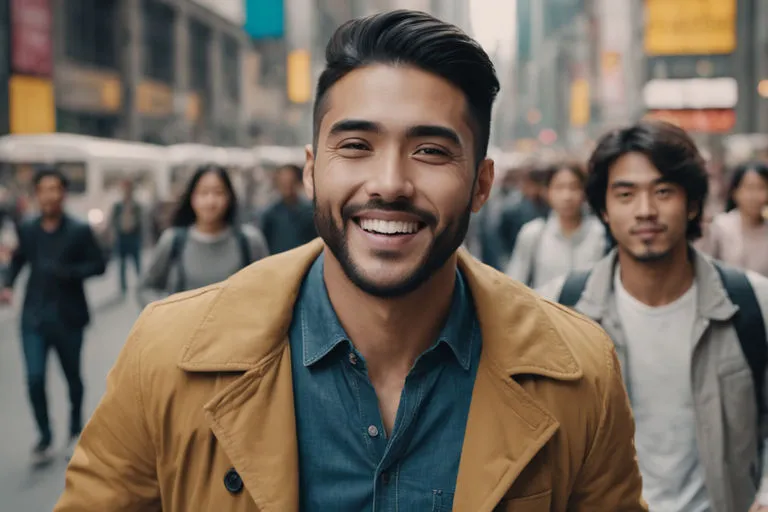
{"x":160,"y":71}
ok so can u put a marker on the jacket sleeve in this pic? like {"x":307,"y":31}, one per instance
{"x":610,"y":478}
{"x":18,"y":260}
{"x":113,"y":466}
{"x":92,"y":264}
{"x":154,"y":282}
{"x":520,"y":263}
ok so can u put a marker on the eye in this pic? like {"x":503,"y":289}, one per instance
{"x":664,"y":192}
{"x":432,"y":151}
{"x":355,"y":146}
{"x":624,"y":195}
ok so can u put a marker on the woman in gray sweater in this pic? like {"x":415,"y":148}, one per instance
{"x":204,"y":246}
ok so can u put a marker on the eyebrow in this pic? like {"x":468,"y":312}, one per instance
{"x":355,"y":125}
{"x":631,"y":184}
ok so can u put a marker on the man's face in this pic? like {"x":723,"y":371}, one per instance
{"x":394,"y":179}
{"x":648,"y":217}
{"x":50,"y":195}
{"x":286,"y":183}
{"x":566,"y":193}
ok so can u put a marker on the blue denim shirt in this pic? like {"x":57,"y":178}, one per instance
{"x":346,"y":462}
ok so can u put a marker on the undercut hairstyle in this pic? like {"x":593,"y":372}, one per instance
{"x":671,"y":151}
{"x":412,"y":38}
{"x":50,"y":172}
{"x":738,"y":176}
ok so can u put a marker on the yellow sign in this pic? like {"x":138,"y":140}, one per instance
{"x":299,"y":76}
{"x":194,"y":107}
{"x":580,"y":104}
{"x":154,"y":99}
{"x":32,"y":107}
{"x":690,"y":27}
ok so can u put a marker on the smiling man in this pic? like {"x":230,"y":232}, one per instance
{"x":378,"y":368}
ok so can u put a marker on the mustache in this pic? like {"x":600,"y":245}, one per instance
{"x":646,"y":227}
{"x":350,"y":211}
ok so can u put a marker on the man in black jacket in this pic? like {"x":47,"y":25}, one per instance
{"x":62,"y":252}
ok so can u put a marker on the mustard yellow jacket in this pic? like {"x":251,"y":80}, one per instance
{"x":202,"y":393}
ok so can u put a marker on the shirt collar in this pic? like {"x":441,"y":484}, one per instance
{"x":322,"y":332}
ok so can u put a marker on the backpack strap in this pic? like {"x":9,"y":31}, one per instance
{"x":179,"y":240}
{"x":245,"y":247}
{"x":750,"y":328}
{"x":573,"y":287}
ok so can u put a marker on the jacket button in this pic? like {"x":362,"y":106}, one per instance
{"x":233,"y":482}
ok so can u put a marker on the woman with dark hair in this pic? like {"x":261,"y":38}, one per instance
{"x":739,"y":236}
{"x":204,"y":245}
{"x":569,"y":239}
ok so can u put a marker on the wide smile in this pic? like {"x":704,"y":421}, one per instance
{"x":388,"y":234}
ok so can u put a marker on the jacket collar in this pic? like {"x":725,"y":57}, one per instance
{"x":712,"y":299}
{"x":250,"y":317}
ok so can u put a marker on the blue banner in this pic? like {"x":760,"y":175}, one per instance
{"x":264,"y":19}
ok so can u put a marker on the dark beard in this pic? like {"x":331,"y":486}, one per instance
{"x":443,"y":246}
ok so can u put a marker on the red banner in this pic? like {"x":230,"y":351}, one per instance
{"x":31,"y":37}
{"x":699,"y":121}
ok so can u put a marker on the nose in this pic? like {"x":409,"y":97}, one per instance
{"x":646,"y":207}
{"x":389,"y":179}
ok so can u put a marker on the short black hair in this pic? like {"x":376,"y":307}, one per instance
{"x":574,"y":167}
{"x":185,"y":215}
{"x":48,"y":171}
{"x":294,"y":169}
{"x":416,"y":39}
{"x":668,"y":147}
{"x":738,"y":176}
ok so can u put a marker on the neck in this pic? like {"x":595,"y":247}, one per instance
{"x":293,"y":199}
{"x":570,"y":225}
{"x":390,"y":333}
{"x":751,"y":221}
{"x":660,"y":282}
{"x":51,"y":222}
{"x":210,"y":228}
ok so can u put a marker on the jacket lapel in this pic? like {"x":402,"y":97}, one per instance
{"x":245,"y":332}
{"x":505,"y":430}
{"x":507,"y":427}
{"x":253,"y":421}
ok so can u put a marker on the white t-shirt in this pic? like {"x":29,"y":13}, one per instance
{"x":659,"y":353}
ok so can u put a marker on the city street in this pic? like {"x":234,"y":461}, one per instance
{"x":22,"y":488}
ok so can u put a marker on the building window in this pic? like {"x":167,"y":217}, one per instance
{"x":158,"y":53}
{"x":91,"y":32}
{"x":230,"y":63}
{"x":199,"y":42}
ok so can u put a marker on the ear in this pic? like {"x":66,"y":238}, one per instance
{"x":604,"y":216}
{"x":693,"y":210}
{"x":308,"y":176}
{"x":483,"y":184}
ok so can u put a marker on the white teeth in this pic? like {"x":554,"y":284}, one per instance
{"x":388,"y":227}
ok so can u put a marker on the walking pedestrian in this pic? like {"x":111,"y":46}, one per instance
{"x":127,"y":228}
{"x":689,"y":332}
{"x":378,"y":368}
{"x":288,"y":223}
{"x":62,"y":253}
{"x":205,"y":245}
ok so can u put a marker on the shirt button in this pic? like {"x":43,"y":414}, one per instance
{"x":352,"y":358}
{"x":373,"y":431}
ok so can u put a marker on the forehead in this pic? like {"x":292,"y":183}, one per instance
{"x":634,"y":168}
{"x":50,"y":181}
{"x":397,"y":97}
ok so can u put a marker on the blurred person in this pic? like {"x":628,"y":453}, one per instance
{"x":279,"y":389}
{"x":62,"y":252}
{"x":739,"y":237}
{"x":517,"y":213}
{"x":288,"y":223}
{"x":487,"y":221}
{"x":568,"y":239}
{"x":204,"y":246}
{"x":126,"y":224}
{"x":690,"y":333}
